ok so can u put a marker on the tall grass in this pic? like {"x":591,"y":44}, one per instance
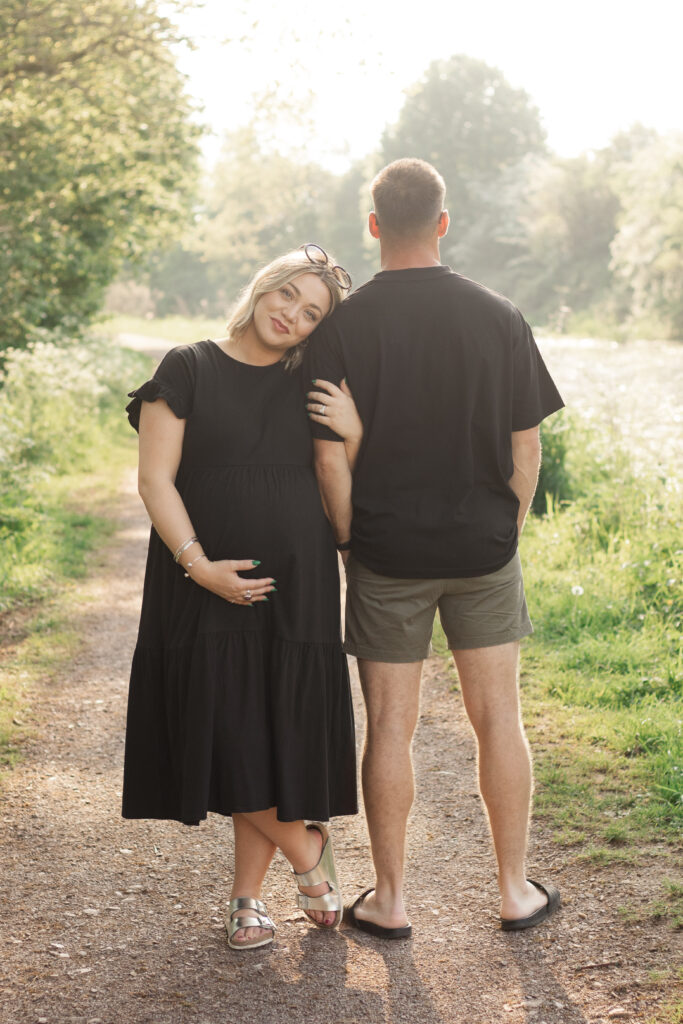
{"x":604,"y":572}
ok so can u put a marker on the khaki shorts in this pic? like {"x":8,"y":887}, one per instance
{"x":391,"y":619}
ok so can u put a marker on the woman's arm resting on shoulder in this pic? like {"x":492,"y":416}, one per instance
{"x":341,"y":414}
{"x":526,"y":458}
{"x":161,"y":445}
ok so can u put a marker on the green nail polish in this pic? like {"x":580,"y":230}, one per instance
{"x":315,"y":382}
{"x":273,"y":588}
{"x":265,"y":598}
{"x":255,"y":561}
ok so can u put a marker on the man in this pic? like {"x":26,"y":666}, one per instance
{"x":451,"y":390}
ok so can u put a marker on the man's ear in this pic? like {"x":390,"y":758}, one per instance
{"x":373,"y":225}
{"x":444,"y":221}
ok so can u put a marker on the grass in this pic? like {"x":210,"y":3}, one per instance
{"x":179,"y":329}
{"x":670,"y":1013}
{"x":55,"y":549}
{"x":602,"y":678}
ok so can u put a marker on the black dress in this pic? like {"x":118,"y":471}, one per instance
{"x":236,"y":708}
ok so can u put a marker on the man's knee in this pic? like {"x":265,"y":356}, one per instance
{"x":490,"y":689}
{"x":392,"y":699}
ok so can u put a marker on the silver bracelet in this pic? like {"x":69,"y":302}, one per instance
{"x":184,"y":547}
{"x":190,"y":564}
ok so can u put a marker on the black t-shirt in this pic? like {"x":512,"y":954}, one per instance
{"x":442,"y":371}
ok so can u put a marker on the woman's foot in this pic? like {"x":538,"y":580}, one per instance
{"x":248,"y":924}
{"x":324,"y":918}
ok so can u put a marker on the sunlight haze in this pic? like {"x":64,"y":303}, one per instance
{"x":592,"y":69}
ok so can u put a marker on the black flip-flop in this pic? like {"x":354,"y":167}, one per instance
{"x":517,"y":924}
{"x":378,"y":930}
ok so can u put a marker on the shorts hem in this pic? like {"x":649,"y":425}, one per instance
{"x":495,"y":640}
{"x":390,"y":657}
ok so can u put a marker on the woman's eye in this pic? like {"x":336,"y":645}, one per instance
{"x":311,"y":316}
{"x":286,"y":292}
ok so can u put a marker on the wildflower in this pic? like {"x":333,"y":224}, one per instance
{"x":577,"y":591}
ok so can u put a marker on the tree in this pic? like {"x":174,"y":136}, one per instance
{"x":259,"y":204}
{"x":568,"y":214}
{"x":468,"y":121}
{"x":647,"y":252}
{"x":98,"y":153}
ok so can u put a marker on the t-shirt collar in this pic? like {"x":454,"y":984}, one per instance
{"x":413,"y":273}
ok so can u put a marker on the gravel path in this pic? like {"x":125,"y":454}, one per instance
{"x":113,"y":922}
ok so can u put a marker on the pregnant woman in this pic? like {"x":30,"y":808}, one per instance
{"x":239,"y":696}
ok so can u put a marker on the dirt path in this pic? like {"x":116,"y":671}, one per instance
{"x":113,"y":922}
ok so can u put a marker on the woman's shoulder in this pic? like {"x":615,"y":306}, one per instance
{"x":188,"y":357}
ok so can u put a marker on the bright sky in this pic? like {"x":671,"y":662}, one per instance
{"x":592,"y":67}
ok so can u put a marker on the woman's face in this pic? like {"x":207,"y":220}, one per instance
{"x":285,"y":317}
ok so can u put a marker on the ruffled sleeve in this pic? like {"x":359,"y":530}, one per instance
{"x":173,"y":381}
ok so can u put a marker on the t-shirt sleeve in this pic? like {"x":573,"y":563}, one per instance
{"x":534,"y":395}
{"x":173,"y":381}
{"x":323,"y":361}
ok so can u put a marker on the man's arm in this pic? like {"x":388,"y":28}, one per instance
{"x":526,"y":458}
{"x":334,"y":480}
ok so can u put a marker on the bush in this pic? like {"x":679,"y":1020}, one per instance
{"x":554,"y":482}
{"x":60,"y":414}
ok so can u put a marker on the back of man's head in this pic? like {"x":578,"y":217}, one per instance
{"x":408,"y":197}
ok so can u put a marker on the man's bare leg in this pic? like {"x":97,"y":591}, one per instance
{"x":490,"y":689}
{"x":392,"y":701}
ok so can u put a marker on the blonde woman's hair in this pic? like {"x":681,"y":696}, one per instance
{"x":273,"y":276}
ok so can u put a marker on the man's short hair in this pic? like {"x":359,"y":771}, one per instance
{"x":408,"y":196}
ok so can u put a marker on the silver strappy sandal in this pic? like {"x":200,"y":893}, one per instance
{"x":324,"y":871}
{"x":258,"y":919}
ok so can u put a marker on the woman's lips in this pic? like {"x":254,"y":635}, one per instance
{"x":279,"y":326}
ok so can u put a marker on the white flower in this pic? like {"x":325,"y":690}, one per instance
{"x":577,"y":591}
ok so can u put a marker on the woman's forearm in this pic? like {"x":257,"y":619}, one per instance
{"x":169,"y":517}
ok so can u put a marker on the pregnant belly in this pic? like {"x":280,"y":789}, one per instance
{"x":270,"y":513}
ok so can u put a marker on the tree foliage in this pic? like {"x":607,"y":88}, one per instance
{"x":568,"y":213}
{"x":467,"y":120}
{"x":259,"y":202}
{"x":593,"y":239}
{"x":97,"y":153}
{"x":647,"y":251}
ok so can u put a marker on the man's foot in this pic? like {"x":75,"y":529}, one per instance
{"x":383,"y":921}
{"x":529,"y":908}
{"x":323,"y":918}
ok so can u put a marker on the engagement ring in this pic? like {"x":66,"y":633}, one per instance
{"x":322,"y":410}
{"x":247,"y":595}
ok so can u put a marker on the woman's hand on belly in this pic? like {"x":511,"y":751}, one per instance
{"x":223,"y":578}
